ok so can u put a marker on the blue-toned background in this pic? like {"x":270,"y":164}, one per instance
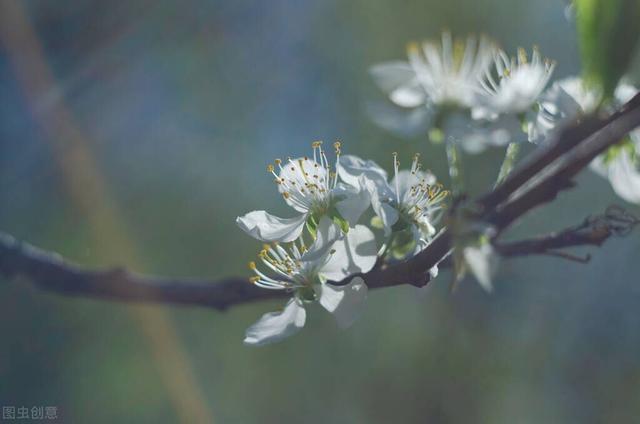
{"x":133,"y":133}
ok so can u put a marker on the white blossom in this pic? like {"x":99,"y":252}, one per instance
{"x":411,"y":203}
{"x":563,"y":102}
{"x":305,"y":272}
{"x":436,"y":76}
{"x":311,"y":188}
{"x":482,"y":261}
{"x":512,"y":85}
{"x":570,"y":98}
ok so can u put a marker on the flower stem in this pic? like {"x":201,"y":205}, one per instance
{"x":453,"y":157}
{"x":509,"y":160}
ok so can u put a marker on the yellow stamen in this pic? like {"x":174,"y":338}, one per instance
{"x":413,"y":48}
{"x":522,"y":55}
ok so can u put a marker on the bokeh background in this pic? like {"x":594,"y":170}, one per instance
{"x":134,"y":132}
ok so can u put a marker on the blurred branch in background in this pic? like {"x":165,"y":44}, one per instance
{"x":90,"y":192}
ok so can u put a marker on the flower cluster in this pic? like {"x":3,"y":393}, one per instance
{"x":472,"y":90}
{"x":320,"y":254}
{"x":351,"y":216}
{"x":570,"y":98}
{"x":477,"y":96}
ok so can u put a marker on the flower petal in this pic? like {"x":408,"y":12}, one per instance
{"x":405,"y":180}
{"x":351,"y":167}
{"x":624,"y":92}
{"x":387,"y":213}
{"x":400,"y":121}
{"x":294,"y":177}
{"x":625,"y":178}
{"x":326,"y":235}
{"x":354,"y":205}
{"x":344,"y":302}
{"x":476,"y":136}
{"x":483,"y":263}
{"x":598,"y":166}
{"x":399,"y":81}
{"x":267,"y":227}
{"x":275,"y":326}
{"x":355,"y":253}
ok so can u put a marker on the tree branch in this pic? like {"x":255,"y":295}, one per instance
{"x":537,"y":180}
{"x":48,"y":271}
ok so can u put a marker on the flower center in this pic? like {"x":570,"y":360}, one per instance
{"x":286,"y":265}
{"x":416,"y":198}
{"x":289,"y":270}
{"x":306,"y":183}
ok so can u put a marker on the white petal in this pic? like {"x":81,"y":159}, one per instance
{"x":587,"y":98}
{"x":326,"y":235}
{"x":400,"y":121}
{"x":387,"y":213}
{"x":379,"y":191}
{"x":483,"y":263}
{"x":389,"y":75}
{"x":345,"y":302}
{"x":433,"y":272}
{"x":293,"y":173}
{"x":267,"y":227}
{"x":354,"y":206}
{"x":409,"y":95}
{"x":599,"y":167}
{"x":405,"y":179}
{"x":624,"y":92}
{"x":275,"y":326}
{"x":355,"y":253}
{"x":476,"y":136}
{"x":350,"y":168}
{"x":563,"y":102}
{"x":625,"y":178}
{"x":399,"y":81}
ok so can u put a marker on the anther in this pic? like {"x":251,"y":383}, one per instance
{"x":413,"y":48}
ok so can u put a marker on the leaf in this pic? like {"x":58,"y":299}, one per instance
{"x":608,"y":32}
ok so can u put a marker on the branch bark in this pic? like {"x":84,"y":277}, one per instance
{"x":50,"y":272}
{"x":537,"y":180}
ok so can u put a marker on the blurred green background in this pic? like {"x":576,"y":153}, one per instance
{"x":133,"y":133}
